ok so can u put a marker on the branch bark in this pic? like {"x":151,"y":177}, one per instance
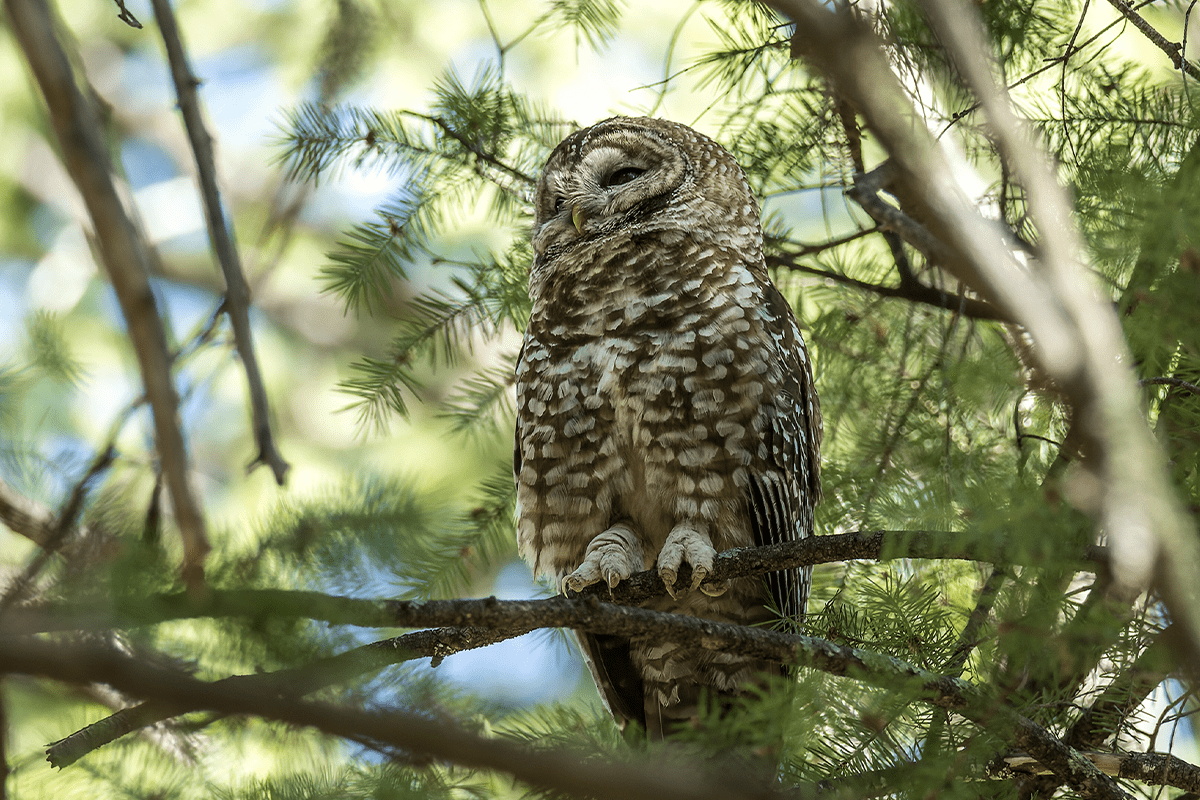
{"x":1174,"y":50}
{"x":123,"y":250}
{"x":22,"y":655}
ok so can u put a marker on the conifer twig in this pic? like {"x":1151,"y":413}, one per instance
{"x":123,"y":251}
{"x":237,"y":294}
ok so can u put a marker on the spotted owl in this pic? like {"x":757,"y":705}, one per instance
{"x":665,"y":403}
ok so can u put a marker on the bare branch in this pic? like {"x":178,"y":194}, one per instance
{"x":237,"y":295}
{"x":127,"y":17}
{"x":123,"y":250}
{"x":1177,"y":383}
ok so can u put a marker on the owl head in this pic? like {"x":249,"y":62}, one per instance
{"x":630,"y":176}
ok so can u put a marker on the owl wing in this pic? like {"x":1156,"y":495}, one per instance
{"x":784,"y":492}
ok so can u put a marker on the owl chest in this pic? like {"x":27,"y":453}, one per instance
{"x":646,"y":404}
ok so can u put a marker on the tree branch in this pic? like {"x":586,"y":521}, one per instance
{"x":124,"y":252}
{"x":915,"y":291}
{"x":548,"y":769}
{"x":21,"y":655}
{"x":63,"y":523}
{"x":297,"y":682}
{"x":1152,"y":769}
{"x":335,"y":610}
{"x":237,"y":295}
{"x":24,"y":516}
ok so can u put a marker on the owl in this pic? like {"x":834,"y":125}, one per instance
{"x":665,"y":403}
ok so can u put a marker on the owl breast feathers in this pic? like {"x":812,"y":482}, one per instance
{"x":665,"y":402}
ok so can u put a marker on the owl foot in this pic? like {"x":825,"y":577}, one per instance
{"x":612,"y":557}
{"x":687,"y":545}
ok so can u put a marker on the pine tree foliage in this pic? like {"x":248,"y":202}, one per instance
{"x":937,"y":418}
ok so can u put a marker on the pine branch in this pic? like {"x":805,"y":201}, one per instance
{"x":1152,"y":769}
{"x":24,"y":656}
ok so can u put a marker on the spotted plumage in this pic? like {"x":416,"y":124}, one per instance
{"x":666,"y":408}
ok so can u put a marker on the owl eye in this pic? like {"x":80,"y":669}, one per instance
{"x":558,"y":203}
{"x":622,"y":176}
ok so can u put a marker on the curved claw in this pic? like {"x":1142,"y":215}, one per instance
{"x":686,"y":545}
{"x":612,"y":557}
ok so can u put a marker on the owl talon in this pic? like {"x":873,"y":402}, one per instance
{"x":686,"y":545}
{"x":612,"y":557}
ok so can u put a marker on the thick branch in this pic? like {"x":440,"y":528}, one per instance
{"x":553,"y":769}
{"x":237,"y":296}
{"x":124,"y":252}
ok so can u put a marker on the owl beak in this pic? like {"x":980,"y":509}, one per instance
{"x":577,"y":218}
